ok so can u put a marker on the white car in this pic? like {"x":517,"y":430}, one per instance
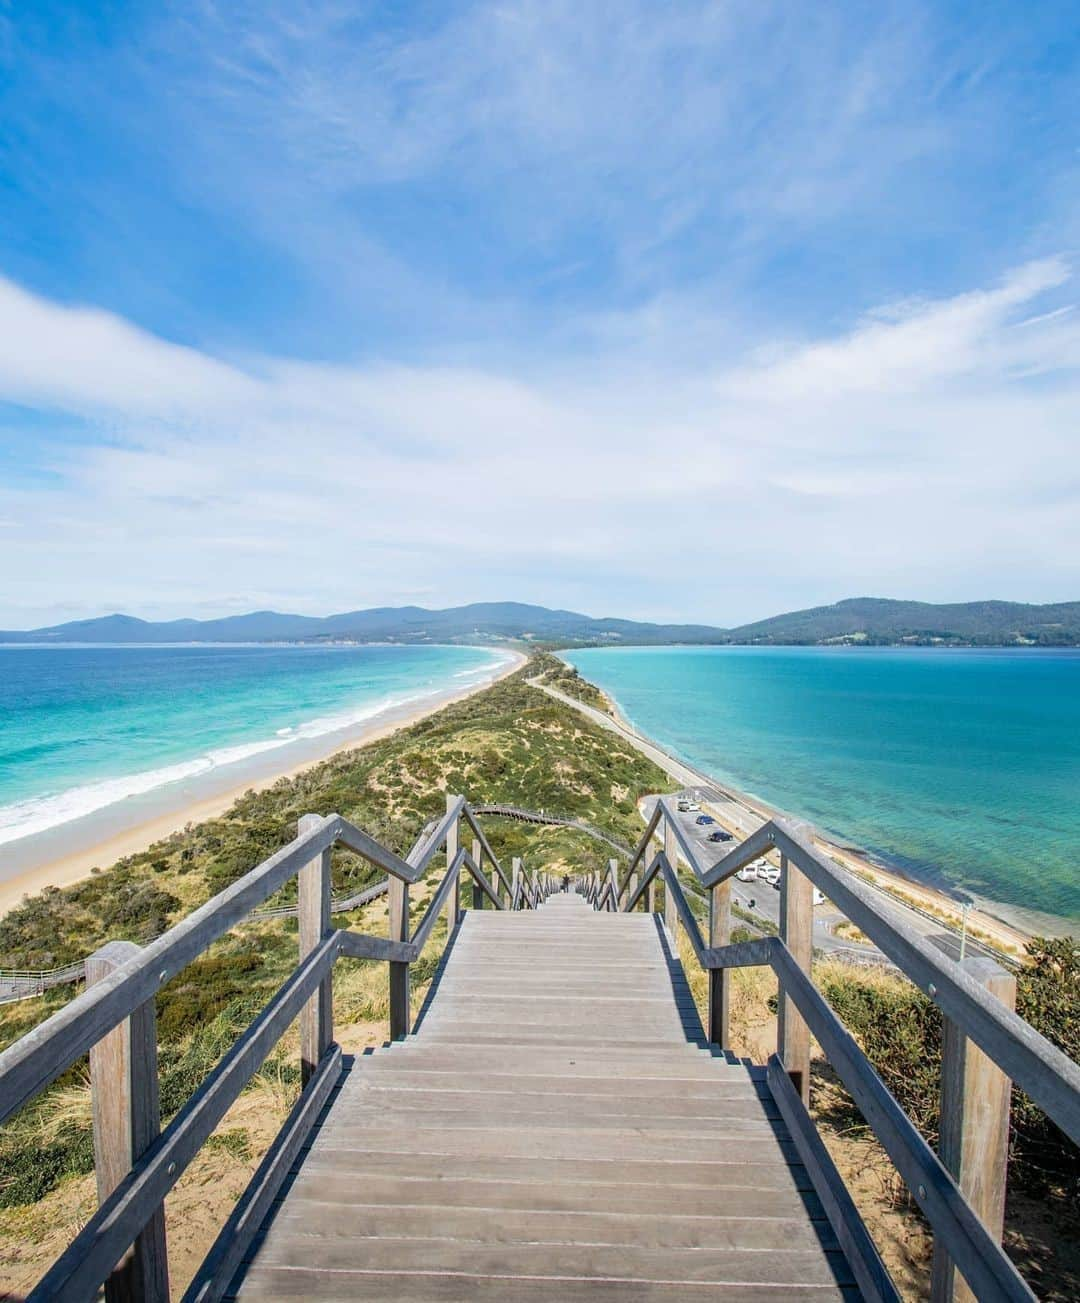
{"x":770,"y":874}
{"x":747,"y":874}
{"x":819,"y":896}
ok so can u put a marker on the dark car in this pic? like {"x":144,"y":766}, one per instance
{"x":720,"y":836}
{"x":704,"y":818}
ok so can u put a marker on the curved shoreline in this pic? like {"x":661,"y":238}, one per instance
{"x":742,"y":814}
{"x":69,"y":852}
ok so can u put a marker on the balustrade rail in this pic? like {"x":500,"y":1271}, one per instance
{"x":123,"y":1245}
{"x":987,"y":1046}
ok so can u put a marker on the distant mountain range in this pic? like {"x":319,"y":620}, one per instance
{"x":869,"y":620}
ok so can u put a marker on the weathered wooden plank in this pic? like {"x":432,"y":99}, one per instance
{"x":983,"y":1263}
{"x":719,"y":1029}
{"x":435,"y":905}
{"x":481,"y":883}
{"x":852,"y":1236}
{"x":227,"y":1252}
{"x":974,"y":1131}
{"x":797,"y":933}
{"x":681,"y":907}
{"x":127,"y":1120}
{"x":358,"y":945}
{"x":741,"y":954}
{"x":399,"y":972}
{"x":669,"y":869}
{"x":739,"y":856}
{"x":778,"y":1267}
{"x":453,"y":897}
{"x":437,"y":1188}
{"x":89,"y":1258}
{"x":1039,"y":1068}
{"x":646,"y":885}
{"x":49,"y":1049}
{"x":308,"y":1216}
{"x":485,"y":845}
{"x":313,"y":914}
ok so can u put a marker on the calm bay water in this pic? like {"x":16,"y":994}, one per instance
{"x":84,"y":727}
{"x":960,"y":766}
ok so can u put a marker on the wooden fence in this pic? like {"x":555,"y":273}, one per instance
{"x":986,"y":1045}
{"x":137,"y":1163}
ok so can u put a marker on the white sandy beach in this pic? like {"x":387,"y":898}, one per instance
{"x":69,"y":852}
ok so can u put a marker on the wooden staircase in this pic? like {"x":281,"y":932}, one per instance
{"x":556,"y":1124}
{"x":555,"y":1128}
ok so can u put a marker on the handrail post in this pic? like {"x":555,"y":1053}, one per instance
{"x":515,"y":879}
{"x":974,"y":1129}
{"x":400,"y":1018}
{"x":127,"y":1120}
{"x":313,"y":914}
{"x":720,"y":978}
{"x":613,"y":878}
{"x":797,"y":933}
{"x":477,"y":890}
{"x":671,"y":909}
{"x":453,"y":901}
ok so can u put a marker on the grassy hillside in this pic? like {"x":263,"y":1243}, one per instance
{"x":510,"y":743}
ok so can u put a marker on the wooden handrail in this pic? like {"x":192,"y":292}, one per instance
{"x":1037,"y":1066}
{"x":92,"y":1254}
{"x":39,"y":1057}
{"x":981,"y":1260}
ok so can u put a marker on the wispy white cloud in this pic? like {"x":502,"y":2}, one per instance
{"x":856,"y":463}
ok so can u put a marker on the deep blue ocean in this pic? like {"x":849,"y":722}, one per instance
{"x":961,"y":767}
{"x":84,"y":727}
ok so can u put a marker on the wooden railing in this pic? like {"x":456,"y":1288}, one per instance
{"x":137,"y":1163}
{"x":986,"y":1045}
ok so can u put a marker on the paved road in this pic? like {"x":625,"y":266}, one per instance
{"x":740,"y":819}
{"x":759,"y":898}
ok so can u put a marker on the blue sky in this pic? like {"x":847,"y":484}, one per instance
{"x":688,"y":311}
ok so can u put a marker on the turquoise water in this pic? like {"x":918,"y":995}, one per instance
{"x":961,"y":767}
{"x":82,"y":728}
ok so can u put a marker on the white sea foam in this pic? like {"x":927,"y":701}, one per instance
{"x":37,"y":814}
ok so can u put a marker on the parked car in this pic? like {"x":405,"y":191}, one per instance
{"x":770,"y":874}
{"x":720,"y":836}
{"x":747,"y":874}
{"x":819,"y":896}
{"x":704,"y":819}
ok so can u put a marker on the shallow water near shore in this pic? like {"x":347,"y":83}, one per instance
{"x":84,"y":729}
{"x":960,"y":767}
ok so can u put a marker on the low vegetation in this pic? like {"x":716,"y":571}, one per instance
{"x":511,"y":744}
{"x":565,"y":678}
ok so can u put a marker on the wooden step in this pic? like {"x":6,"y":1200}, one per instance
{"x":553,"y":1130}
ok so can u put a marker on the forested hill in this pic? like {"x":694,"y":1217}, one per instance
{"x":479,"y":622}
{"x":871,"y":620}
{"x":879,"y":620}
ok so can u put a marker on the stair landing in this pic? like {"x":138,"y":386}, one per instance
{"x":554,"y":1129}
